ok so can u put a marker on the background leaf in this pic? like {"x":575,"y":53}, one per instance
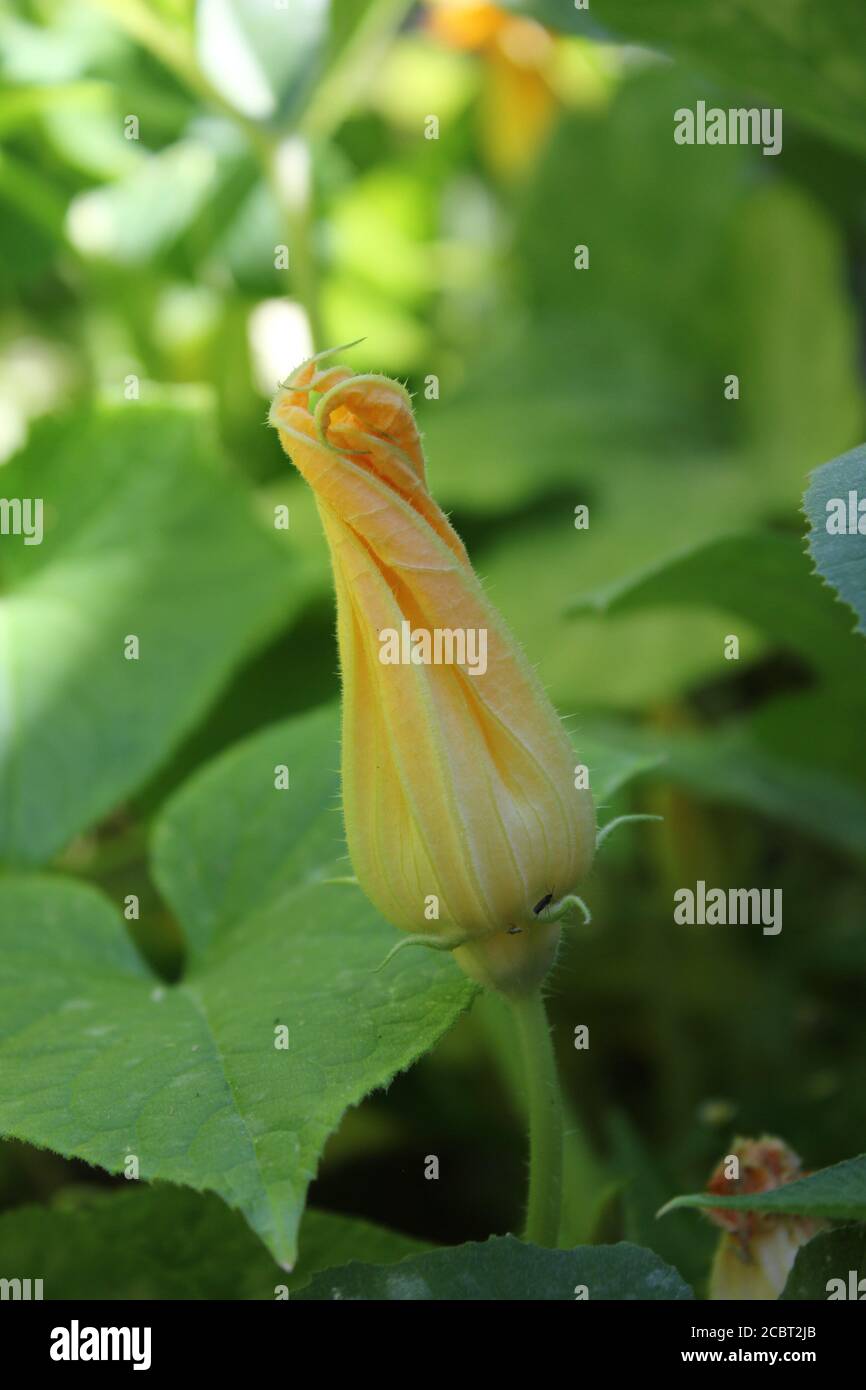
{"x":256,"y":53}
{"x":841,"y":560}
{"x":680,"y":1242}
{"x":796,"y":54}
{"x":759,"y":761}
{"x":744,"y":577}
{"x":733,"y":767}
{"x":505,"y":1268}
{"x":175,"y":1244}
{"x":611,"y":765}
{"x":828,"y":1255}
{"x":145,"y":534}
{"x":837,"y":1193}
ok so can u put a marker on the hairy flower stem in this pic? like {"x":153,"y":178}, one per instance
{"x":545,"y":1120}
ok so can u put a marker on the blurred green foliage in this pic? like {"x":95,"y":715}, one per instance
{"x":160,"y":160}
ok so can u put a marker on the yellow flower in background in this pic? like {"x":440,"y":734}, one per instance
{"x":458,"y":776}
{"x":757,"y":1251}
{"x":519,"y":104}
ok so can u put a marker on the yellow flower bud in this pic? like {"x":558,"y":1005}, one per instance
{"x":462,"y":817}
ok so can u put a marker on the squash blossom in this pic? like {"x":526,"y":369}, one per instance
{"x":461,"y":812}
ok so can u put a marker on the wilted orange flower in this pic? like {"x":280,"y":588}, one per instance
{"x":462,"y":817}
{"x":757,"y":1251}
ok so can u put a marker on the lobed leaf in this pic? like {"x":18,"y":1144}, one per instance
{"x":101,"y":1060}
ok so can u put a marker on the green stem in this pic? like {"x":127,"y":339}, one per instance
{"x":348,"y":77}
{"x":545,"y":1120}
{"x":296,"y":217}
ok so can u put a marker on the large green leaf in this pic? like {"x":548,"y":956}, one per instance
{"x":733,"y":766}
{"x":147,"y":535}
{"x":505,"y":1268}
{"x":837,"y":1193}
{"x":99,"y":1059}
{"x":798,"y":54}
{"x":643,"y":656}
{"x":762,"y":578}
{"x":793,"y":341}
{"x":840,"y":557}
{"x":176,"y":1244}
{"x":830,"y":1255}
{"x":761,"y":581}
